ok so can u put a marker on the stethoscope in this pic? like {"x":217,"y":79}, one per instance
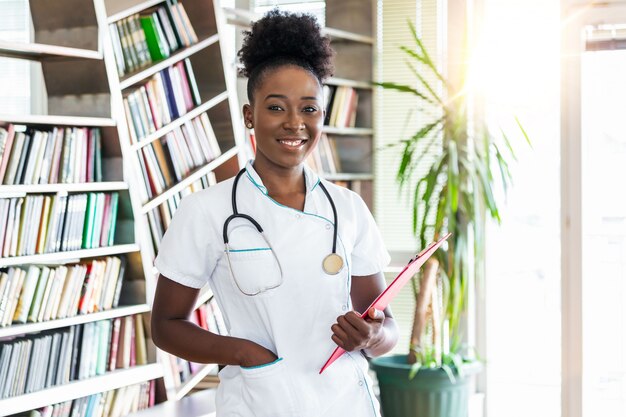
{"x":332,"y":263}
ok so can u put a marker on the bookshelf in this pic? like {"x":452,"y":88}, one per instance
{"x":349,"y":158}
{"x":76,"y":51}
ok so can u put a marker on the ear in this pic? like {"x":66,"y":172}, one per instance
{"x":247,"y":114}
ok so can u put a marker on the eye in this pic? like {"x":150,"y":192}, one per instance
{"x":274,"y":107}
{"x":310,"y":109}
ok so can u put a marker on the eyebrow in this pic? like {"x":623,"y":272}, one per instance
{"x":285,"y":97}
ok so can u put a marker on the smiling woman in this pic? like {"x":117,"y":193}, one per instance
{"x":287,"y":116}
{"x":286,"y":305}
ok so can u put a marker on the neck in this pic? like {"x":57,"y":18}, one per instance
{"x":280,"y":181}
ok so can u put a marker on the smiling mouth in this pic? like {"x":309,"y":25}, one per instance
{"x":293,"y":142}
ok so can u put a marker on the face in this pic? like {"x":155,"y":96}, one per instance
{"x":287,"y":115}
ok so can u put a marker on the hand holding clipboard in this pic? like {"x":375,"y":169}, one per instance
{"x":383,"y":300}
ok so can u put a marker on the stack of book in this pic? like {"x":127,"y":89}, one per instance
{"x":167,"y":95}
{"x":150,"y":36}
{"x":341,"y":106}
{"x":209,"y":317}
{"x":173,"y":157}
{"x":114,"y":403}
{"x":325,"y":158}
{"x":160,"y":218}
{"x":38,"y":224}
{"x":36,"y":362}
{"x":58,"y":155}
{"x":41,"y":293}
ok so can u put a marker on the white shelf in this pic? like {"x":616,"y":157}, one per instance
{"x":44,"y":119}
{"x":347,"y":177}
{"x":131,"y":10}
{"x":348,"y":36}
{"x":39,"y":51}
{"x":189,"y":180}
{"x":242,"y":18}
{"x":69,"y":256}
{"x":349,"y":83}
{"x":22,"y":189}
{"x":19,"y":329}
{"x":347,"y":130}
{"x":182,"y":119}
{"x":172,"y":59}
{"x":78,"y":389}
{"x":193,"y":381}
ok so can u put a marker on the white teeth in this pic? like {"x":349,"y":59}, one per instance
{"x":293,"y":143}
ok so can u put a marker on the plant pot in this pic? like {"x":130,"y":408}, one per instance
{"x":429,"y":394}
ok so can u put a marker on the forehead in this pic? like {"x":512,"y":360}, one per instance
{"x":289,"y":80}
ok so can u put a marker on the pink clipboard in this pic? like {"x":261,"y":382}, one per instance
{"x":383,"y":300}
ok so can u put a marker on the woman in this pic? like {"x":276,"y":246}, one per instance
{"x":287,"y":294}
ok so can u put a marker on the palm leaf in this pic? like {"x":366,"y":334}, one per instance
{"x":425,"y":54}
{"x":449,"y":372}
{"x":523,"y":132}
{"x":404,"y":89}
{"x":415,"y":368}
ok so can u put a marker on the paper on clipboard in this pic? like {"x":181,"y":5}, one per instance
{"x":383,"y":300}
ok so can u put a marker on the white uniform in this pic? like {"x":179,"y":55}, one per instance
{"x":293,"y":320}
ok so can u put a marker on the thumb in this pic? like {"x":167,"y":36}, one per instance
{"x":375,"y":314}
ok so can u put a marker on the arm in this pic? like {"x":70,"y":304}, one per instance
{"x":377,"y":334}
{"x":173,"y":332}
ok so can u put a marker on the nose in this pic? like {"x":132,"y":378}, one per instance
{"x":293,"y":122}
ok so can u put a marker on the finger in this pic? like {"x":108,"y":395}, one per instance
{"x":341,"y":343}
{"x":357,"y":322}
{"x":376,"y":315}
{"x":339,"y":332}
{"x":353,"y":328}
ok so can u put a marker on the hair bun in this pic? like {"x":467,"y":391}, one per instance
{"x":280,"y":35}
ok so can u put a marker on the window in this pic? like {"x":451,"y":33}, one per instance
{"x":517,"y":66}
{"x":604,"y":233}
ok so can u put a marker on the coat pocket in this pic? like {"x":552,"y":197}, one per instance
{"x":255,"y":271}
{"x":267,"y":390}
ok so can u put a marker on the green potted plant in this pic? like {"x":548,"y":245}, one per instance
{"x":455,"y":195}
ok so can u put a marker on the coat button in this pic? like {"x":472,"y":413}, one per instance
{"x":328,"y":227}
{"x":360,"y":383}
{"x":298,"y":215}
{"x":344,"y":307}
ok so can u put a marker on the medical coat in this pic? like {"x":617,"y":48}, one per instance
{"x":294,"y":319}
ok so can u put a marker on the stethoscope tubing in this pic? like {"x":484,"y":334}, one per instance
{"x":256,"y":224}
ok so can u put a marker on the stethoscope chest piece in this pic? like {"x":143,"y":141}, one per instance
{"x":332,"y":264}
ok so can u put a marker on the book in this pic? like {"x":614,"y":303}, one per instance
{"x":15,"y":156}
{"x":140,"y":40}
{"x":169,"y":93}
{"x":42,"y":162}
{"x":129,"y":63}
{"x":168,"y":29}
{"x":117,"y":49}
{"x":26,"y":297}
{"x":140,"y":341}
{"x":6,"y":144}
{"x":176,"y":19}
{"x":191,"y":33}
{"x":114,"y":204}
{"x":191,"y":78}
{"x":184,"y":84}
{"x":132,"y":49}
{"x":157,"y":45}
{"x":55,"y":163}
{"x":23,"y":158}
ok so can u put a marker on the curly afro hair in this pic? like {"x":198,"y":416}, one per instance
{"x":282,"y":38}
